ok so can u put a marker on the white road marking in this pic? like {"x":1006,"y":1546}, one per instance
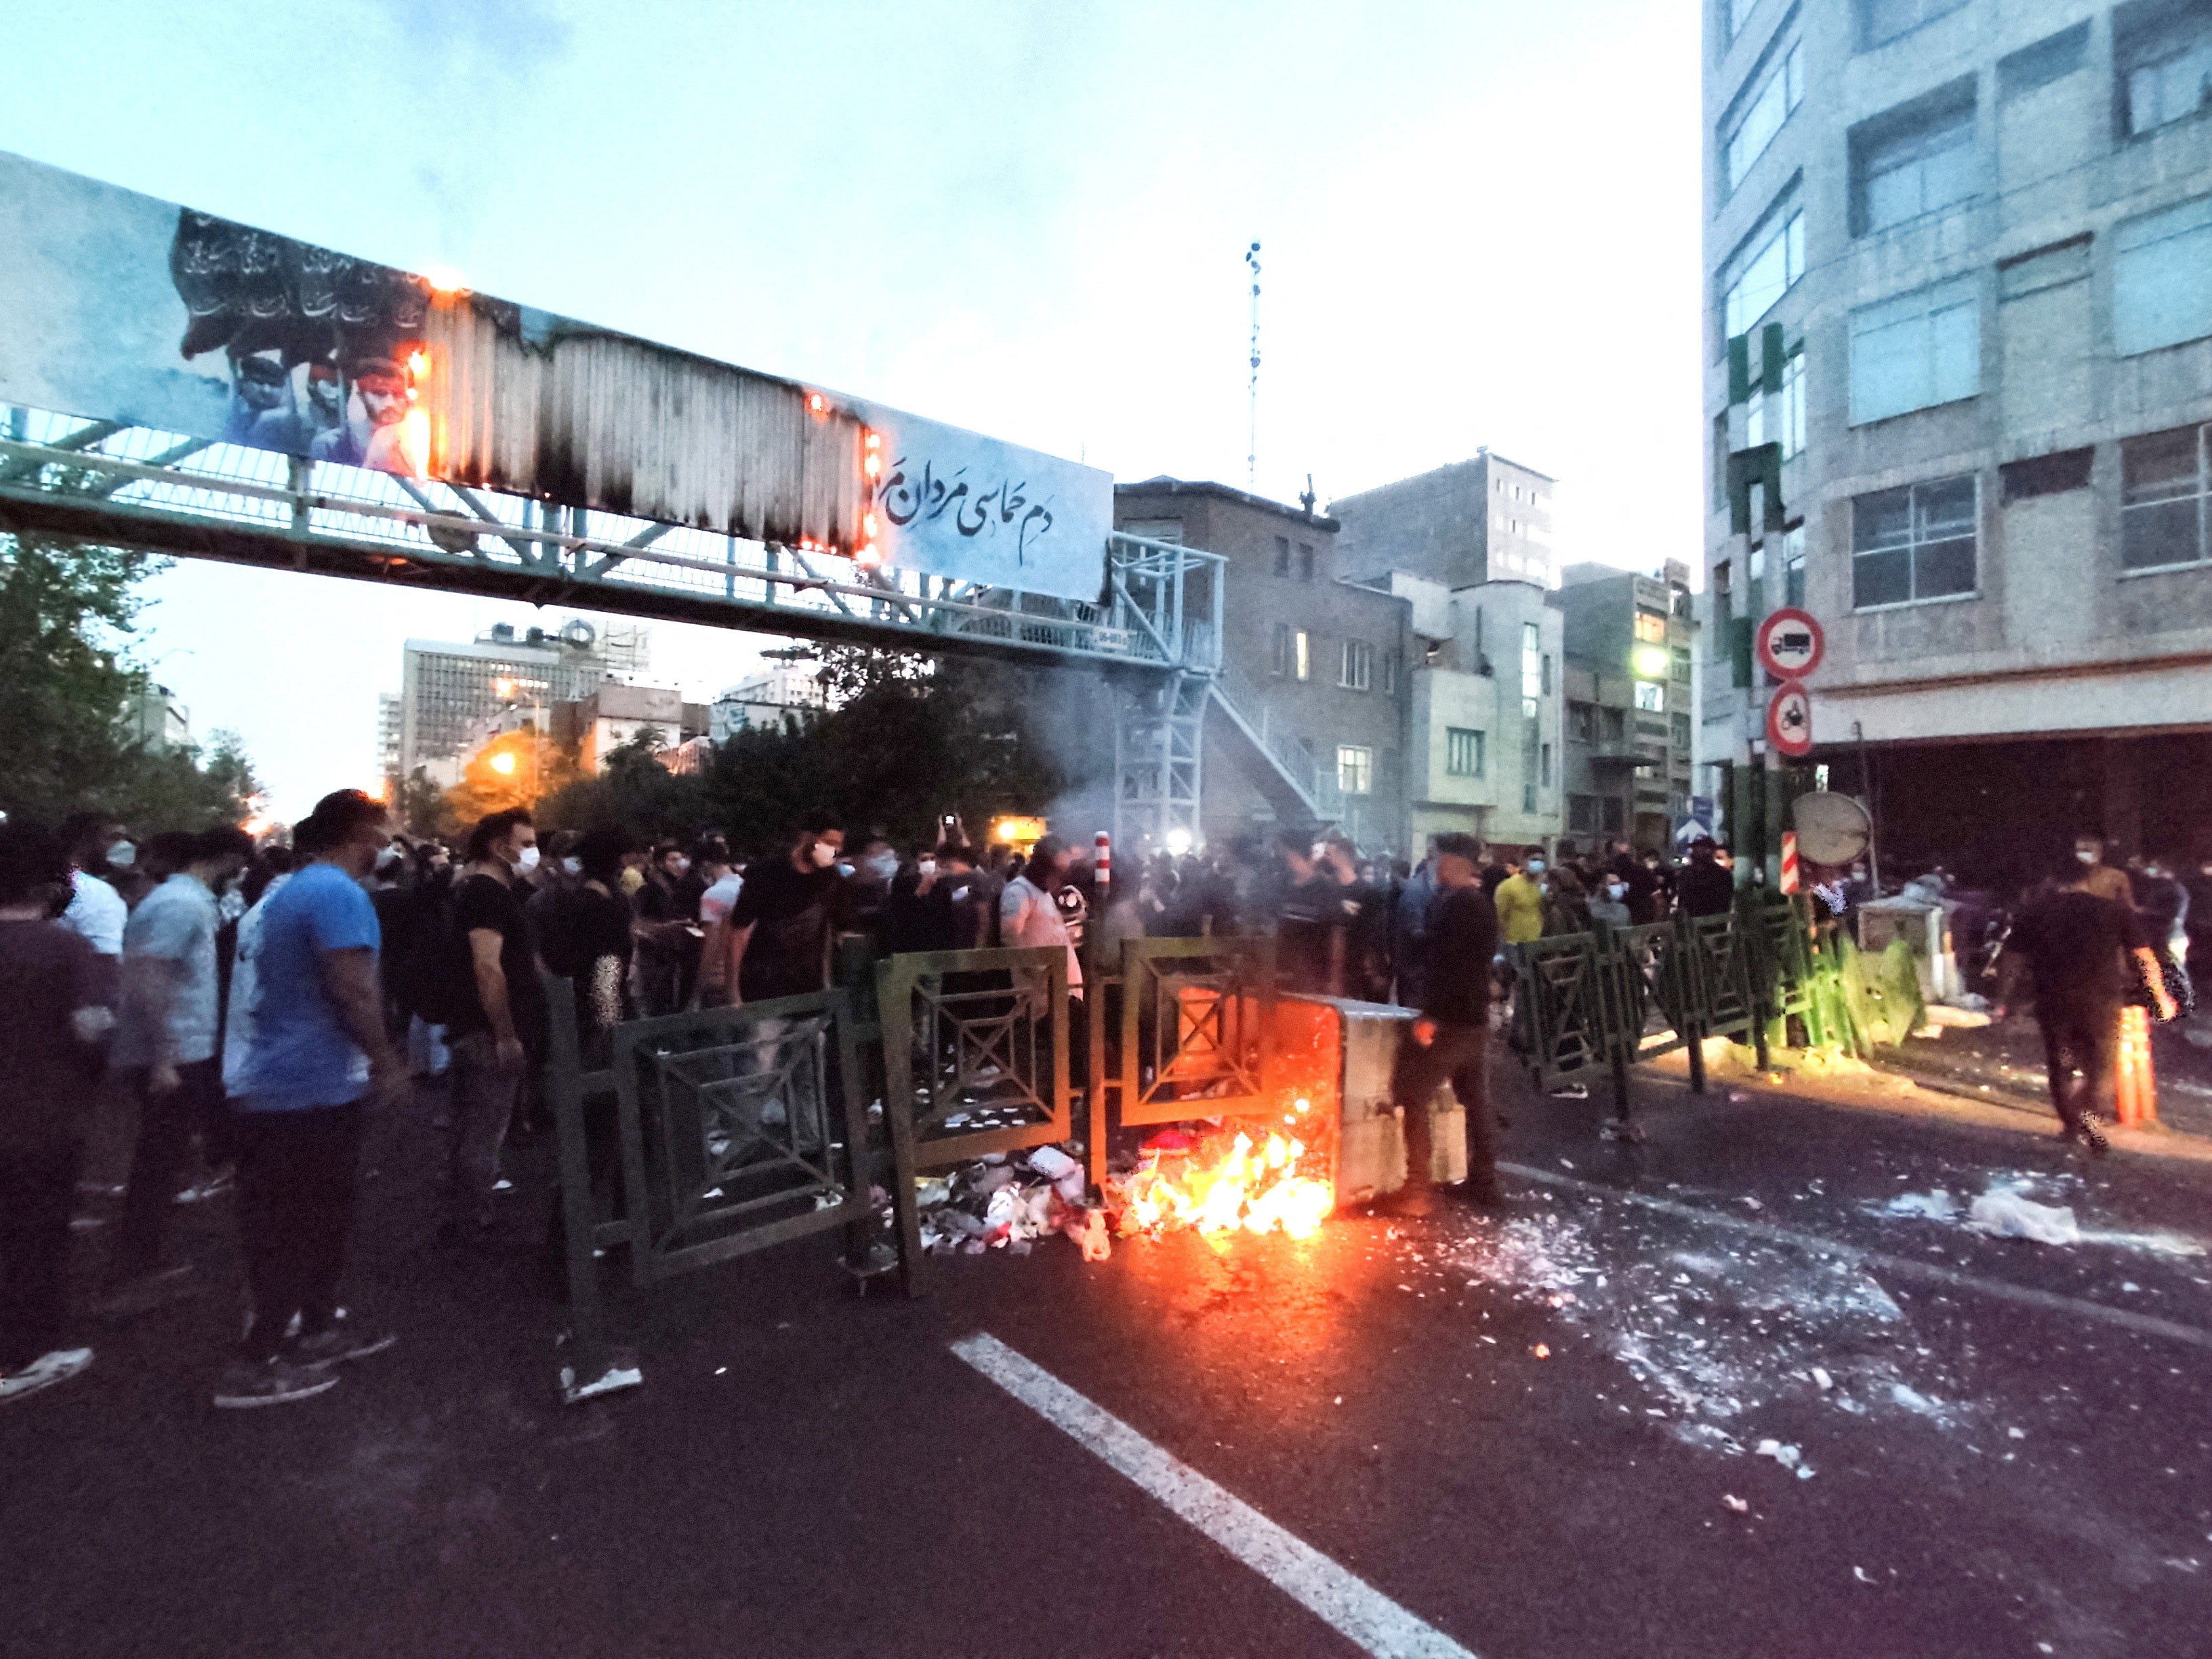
{"x":1902,"y":1266}
{"x":1349,"y":1603}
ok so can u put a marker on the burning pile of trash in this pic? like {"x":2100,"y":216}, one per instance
{"x":1214,"y":1177}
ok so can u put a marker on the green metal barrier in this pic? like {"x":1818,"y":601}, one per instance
{"x":1609,"y":999}
{"x":709,"y":1134}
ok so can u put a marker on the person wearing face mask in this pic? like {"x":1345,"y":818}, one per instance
{"x":868,"y":888}
{"x":781,"y":924}
{"x":166,"y":1046}
{"x":1609,"y":905}
{"x":918,"y":914}
{"x":1520,"y":903}
{"x":498,"y":1020}
{"x":2100,"y":877}
{"x":316,"y":1059}
{"x":96,"y":911}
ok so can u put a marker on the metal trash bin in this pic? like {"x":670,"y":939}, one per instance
{"x":1334,"y":1045}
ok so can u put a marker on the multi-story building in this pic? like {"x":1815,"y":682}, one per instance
{"x":790,"y":686}
{"x":388,"y":707}
{"x":1484,"y":754}
{"x":1628,"y":642}
{"x":1308,"y":721}
{"x":452,"y":696}
{"x":156,"y":718}
{"x":1480,"y":521}
{"x":1965,"y":247}
{"x":613,"y":715}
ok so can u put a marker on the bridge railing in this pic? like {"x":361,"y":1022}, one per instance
{"x":134,"y":486}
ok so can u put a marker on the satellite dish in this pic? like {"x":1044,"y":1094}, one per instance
{"x":1832,"y":829}
{"x":579,"y":633}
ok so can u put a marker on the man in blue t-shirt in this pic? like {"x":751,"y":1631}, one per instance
{"x":319,"y":1058}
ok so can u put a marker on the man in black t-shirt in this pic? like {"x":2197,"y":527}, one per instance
{"x":1705,"y":887}
{"x":498,"y":1022}
{"x":2082,"y":952}
{"x":1310,"y":918}
{"x":781,"y":924}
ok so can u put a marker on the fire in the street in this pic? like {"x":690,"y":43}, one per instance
{"x":1227,"y":1181}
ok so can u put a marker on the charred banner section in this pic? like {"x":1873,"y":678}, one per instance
{"x":138,"y":312}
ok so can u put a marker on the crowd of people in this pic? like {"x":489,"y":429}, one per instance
{"x":251,"y":1004}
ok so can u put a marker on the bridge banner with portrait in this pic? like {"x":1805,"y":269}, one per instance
{"x":124,"y":308}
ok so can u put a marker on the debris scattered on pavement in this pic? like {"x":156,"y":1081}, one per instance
{"x":1738,"y":1505}
{"x":1861,"y":1574}
{"x":2004,"y":1214}
{"x":1789,"y":1456}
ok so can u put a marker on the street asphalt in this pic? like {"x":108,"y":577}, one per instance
{"x":1537,"y":1434}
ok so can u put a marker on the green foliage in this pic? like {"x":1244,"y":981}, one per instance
{"x":905,"y":738}
{"x":66,"y":616}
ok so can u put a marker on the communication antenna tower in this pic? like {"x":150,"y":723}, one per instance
{"x":1252,"y":459}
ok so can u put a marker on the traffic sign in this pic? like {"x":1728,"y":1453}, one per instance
{"x":1790,"y":643}
{"x":1789,"y":720}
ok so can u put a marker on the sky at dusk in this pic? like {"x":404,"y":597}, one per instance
{"x":1480,"y":223}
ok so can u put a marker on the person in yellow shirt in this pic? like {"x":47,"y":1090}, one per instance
{"x":1520,"y":901}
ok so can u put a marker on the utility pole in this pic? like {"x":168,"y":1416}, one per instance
{"x":1252,"y":458}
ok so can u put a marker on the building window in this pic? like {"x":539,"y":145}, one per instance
{"x":1916,"y":542}
{"x":1532,"y":664}
{"x":1355,"y":770}
{"x":1679,"y":735}
{"x":1650,"y":628}
{"x":1616,"y":727}
{"x":1680,"y":671}
{"x":1285,"y":657}
{"x":1720,"y":461}
{"x":1615,"y":811}
{"x":1463,"y":757}
{"x":2164,"y":64}
{"x":1793,"y":565}
{"x":1882,"y":21}
{"x":1306,"y":561}
{"x":1356,"y":666}
{"x":1546,"y":689}
{"x":1389,"y":672}
{"x":1917,"y":160}
{"x":1582,"y":814}
{"x":1762,"y":117}
{"x":1543,"y":767}
{"x":1282,"y":556}
{"x":1581,"y":722}
{"x":2051,"y":58}
{"x":2162,"y":278}
{"x":1302,"y":655}
{"x":1763,"y":269}
{"x":2163,"y":500}
{"x":1916,"y":350}
{"x":1651,"y":697}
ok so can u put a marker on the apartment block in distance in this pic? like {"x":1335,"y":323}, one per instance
{"x":1307,"y":722}
{"x":1629,"y":646}
{"x":1959,"y":384}
{"x":1480,"y":521}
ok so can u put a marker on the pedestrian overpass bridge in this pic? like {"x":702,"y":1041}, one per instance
{"x":184,"y":384}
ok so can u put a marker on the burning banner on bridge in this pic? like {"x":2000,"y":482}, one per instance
{"x":127,"y":309}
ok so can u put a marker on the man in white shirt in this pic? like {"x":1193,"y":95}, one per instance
{"x":165,"y":1046}
{"x":724,"y":884}
{"x":96,"y":911}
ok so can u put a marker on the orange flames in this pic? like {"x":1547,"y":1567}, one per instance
{"x":1227,"y":1183}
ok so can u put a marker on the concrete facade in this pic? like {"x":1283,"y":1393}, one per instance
{"x":1985,"y":231}
{"x":1629,"y":643}
{"x":1310,"y":659}
{"x":1479,"y":520}
{"x":1484,"y":714}
{"x":615,"y":714}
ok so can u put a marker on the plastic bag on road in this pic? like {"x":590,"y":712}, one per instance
{"x":2007,"y":1215}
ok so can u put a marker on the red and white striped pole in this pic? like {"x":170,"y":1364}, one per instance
{"x":1790,"y":878}
{"x":1101,"y":862}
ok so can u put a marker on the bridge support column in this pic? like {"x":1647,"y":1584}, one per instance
{"x":1158,"y":742}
